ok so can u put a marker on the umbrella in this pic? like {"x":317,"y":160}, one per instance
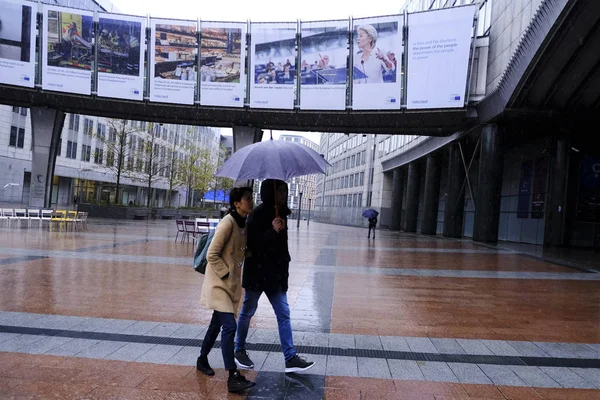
{"x":370,"y":213}
{"x":273,"y":159}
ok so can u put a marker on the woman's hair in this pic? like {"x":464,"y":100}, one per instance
{"x":371,"y":33}
{"x":236,"y":195}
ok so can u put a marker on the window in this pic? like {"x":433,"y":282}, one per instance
{"x":359,"y":201}
{"x":88,"y":126}
{"x":20,"y":110}
{"x":17,"y":137}
{"x":86,"y":153}
{"x":351,"y":180}
{"x":362,"y":178}
{"x":112,"y":135}
{"x":74,"y":122}
{"x":98,"y":155}
{"x":71,"y":149}
{"x":353,"y":162}
{"x":110,"y":158}
{"x":102,"y":131}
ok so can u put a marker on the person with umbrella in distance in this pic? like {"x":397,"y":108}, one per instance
{"x":266,"y":270}
{"x":372,"y":217}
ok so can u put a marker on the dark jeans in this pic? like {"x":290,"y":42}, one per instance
{"x":227,"y":321}
{"x":281,"y":308}
{"x":373,"y":228}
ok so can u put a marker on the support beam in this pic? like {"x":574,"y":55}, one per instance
{"x":412,"y":198}
{"x":554,"y":231}
{"x":489,"y":187}
{"x":245,"y":135}
{"x":431,"y":201}
{"x":455,"y":196}
{"x":46,"y":127}
{"x":397,"y":194}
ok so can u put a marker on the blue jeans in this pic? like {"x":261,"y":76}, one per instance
{"x":281,"y":308}
{"x":227,"y":321}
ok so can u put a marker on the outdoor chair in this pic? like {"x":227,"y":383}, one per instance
{"x":34,"y":215}
{"x":190,"y":229}
{"x":180,"y":229}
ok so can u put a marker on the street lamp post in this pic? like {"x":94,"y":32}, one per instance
{"x":299,"y":209}
{"x":308,"y":219}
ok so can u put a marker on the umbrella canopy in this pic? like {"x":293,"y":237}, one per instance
{"x":370,"y":213}
{"x":273,"y":159}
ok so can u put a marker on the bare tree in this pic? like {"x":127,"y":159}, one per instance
{"x":119,"y":148}
{"x":224,"y":184}
{"x":196,"y":172}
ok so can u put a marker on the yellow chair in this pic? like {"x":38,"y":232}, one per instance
{"x":59,"y":217}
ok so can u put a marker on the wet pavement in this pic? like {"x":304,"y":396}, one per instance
{"x":114,"y":313}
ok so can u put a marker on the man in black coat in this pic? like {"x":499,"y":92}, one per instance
{"x":266,"y":270}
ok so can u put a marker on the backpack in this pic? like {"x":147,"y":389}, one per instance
{"x":201,"y":250}
{"x":200,"y":261}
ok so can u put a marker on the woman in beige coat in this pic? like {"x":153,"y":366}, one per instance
{"x":222,"y":287}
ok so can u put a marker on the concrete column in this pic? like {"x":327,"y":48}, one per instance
{"x":412,"y":198}
{"x":489,"y":187}
{"x":431,"y":201}
{"x":245,"y":135}
{"x":455,"y":198}
{"x":46,"y":127}
{"x":557,"y":193}
{"x":397,"y":193}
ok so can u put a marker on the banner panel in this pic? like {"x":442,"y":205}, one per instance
{"x":439,"y":44}
{"x":120,"y":58}
{"x":323,"y":60}
{"x":377,"y":52}
{"x":17,"y":42}
{"x":173,"y":61}
{"x":273,"y":61}
{"x":67,"y":53}
{"x":222,"y":62}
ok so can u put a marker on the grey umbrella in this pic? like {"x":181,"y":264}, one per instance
{"x":273,"y":159}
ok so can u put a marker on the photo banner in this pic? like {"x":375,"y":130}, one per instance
{"x":173,"y":61}
{"x":273,"y":61}
{"x":222,"y":73}
{"x":377,"y":52}
{"x":17,"y":42}
{"x":324,"y":54}
{"x":67,"y":53}
{"x":439,"y":44}
{"x":121,"y":56}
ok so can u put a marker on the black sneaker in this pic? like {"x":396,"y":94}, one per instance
{"x":237,"y":383}
{"x":298,"y":364}
{"x":203,"y":366}
{"x":242,"y":360}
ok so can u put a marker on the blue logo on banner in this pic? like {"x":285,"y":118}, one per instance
{"x":391,"y":99}
{"x":456,"y":97}
{"x":26,"y":78}
{"x":136,"y":92}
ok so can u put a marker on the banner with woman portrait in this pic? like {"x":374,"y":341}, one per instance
{"x":67,"y":52}
{"x":377,"y":58}
{"x":17,"y":42}
{"x":273,"y":59}
{"x":323,"y":59}
{"x":121,"y":56}
{"x":173,"y":61}
{"x":222,"y":73}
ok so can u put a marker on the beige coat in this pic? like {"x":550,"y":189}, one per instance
{"x":225,"y":255}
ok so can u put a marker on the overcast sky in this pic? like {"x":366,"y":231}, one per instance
{"x":243,"y":10}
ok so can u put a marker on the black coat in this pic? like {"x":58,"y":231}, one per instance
{"x":266,"y":267}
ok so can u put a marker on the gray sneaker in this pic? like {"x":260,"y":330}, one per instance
{"x":242,"y":360}
{"x":298,"y":364}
